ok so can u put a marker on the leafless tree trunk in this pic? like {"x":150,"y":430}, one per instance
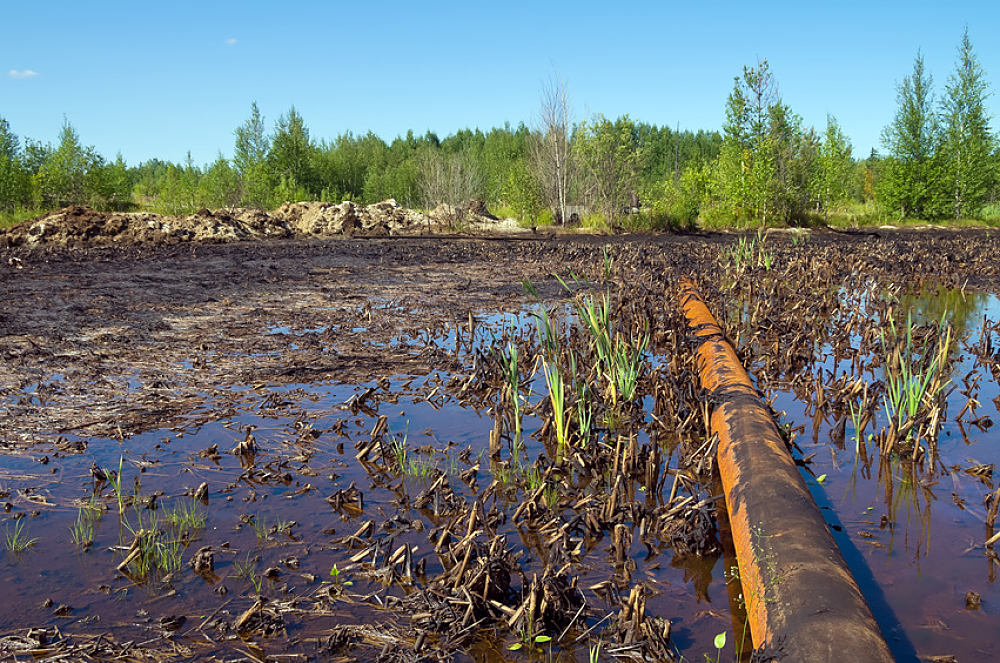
{"x":551,"y":154}
{"x":450,"y":180}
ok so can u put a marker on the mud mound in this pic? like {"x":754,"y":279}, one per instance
{"x":81,"y":225}
{"x":385,"y":218}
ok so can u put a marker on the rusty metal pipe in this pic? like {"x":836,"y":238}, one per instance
{"x":797,"y":588}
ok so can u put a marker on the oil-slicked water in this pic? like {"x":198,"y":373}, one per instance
{"x":915,"y":537}
{"x":370,"y":473}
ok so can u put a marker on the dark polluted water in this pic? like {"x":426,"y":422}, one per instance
{"x":397,"y":516}
{"x":350,"y":508}
{"x":914,"y":535}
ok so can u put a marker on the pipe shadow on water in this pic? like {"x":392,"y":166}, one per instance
{"x":892,"y":629}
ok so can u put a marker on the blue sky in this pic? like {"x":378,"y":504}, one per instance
{"x":159,"y":79}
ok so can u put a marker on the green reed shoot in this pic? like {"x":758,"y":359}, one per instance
{"x":596,"y":318}
{"x":626,"y":366}
{"x":915,"y":378}
{"x":557,"y":395}
{"x":247,"y":570}
{"x":747,"y":253}
{"x":185,"y":515}
{"x":594,"y":652}
{"x":16,"y":541}
{"x":512,"y":388}
{"x":259,"y":524}
{"x":85,"y":527}
{"x":530,"y":288}
{"x":407,"y":464}
{"x":609,"y":261}
{"x":584,"y":413}
{"x":115,"y":478}
{"x":157,"y":551}
{"x":547,"y":334}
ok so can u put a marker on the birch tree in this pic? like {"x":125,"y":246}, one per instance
{"x":551,"y":151}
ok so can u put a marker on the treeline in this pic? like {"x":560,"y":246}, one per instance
{"x":941,"y":157}
{"x":941,"y":160}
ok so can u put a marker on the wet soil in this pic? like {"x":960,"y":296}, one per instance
{"x":248,"y":365}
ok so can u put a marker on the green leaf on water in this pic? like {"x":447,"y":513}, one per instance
{"x":720,"y":640}
{"x":515,"y":646}
{"x":542,"y":638}
{"x":820,"y":479}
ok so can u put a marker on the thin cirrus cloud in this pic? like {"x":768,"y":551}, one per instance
{"x":25,"y":73}
{"x":231,"y":41}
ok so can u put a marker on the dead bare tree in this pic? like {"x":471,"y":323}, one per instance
{"x":551,"y":154}
{"x":449,"y":180}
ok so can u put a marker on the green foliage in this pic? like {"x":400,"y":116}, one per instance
{"x":758,"y":176}
{"x":766,"y":165}
{"x":609,"y":156}
{"x":344,"y":165}
{"x":185,"y":515}
{"x":665,"y":154}
{"x":557,"y":397}
{"x":916,"y":374}
{"x":16,"y":541}
{"x":522,"y":193}
{"x":910,"y":173}
{"x":835,"y":166}
{"x":87,"y":517}
{"x":967,"y":141}
{"x":179,"y":190}
{"x":250,"y":160}
{"x":15,"y":181}
{"x":399,"y":181}
{"x":60,"y":181}
{"x":508,"y":362}
{"x":796,"y":162}
{"x":671,"y":203}
{"x":748,"y":254}
{"x":219,"y":185}
{"x":247,"y":570}
{"x":290,"y":157}
{"x":290,"y":191}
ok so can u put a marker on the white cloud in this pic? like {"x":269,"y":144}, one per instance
{"x":231,"y":41}
{"x":27,"y":73}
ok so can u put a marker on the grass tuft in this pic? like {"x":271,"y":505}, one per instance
{"x":16,"y":541}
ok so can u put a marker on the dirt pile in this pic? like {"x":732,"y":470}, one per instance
{"x":81,"y":225}
{"x":385,"y":218}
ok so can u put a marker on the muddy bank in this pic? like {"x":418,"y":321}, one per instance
{"x":114,"y":322}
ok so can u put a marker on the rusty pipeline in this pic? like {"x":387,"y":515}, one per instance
{"x":797,"y":588}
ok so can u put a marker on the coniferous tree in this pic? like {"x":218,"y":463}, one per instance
{"x":250,"y":160}
{"x":14,"y":182}
{"x":967,"y":142}
{"x":910,"y":182}
{"x":836,"y":166}
{"x":291,"y":150}
{"x":744,"y":178}
{"x":61,"y":179}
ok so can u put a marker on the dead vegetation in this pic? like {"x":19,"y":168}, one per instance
{"x":560,"y":520}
